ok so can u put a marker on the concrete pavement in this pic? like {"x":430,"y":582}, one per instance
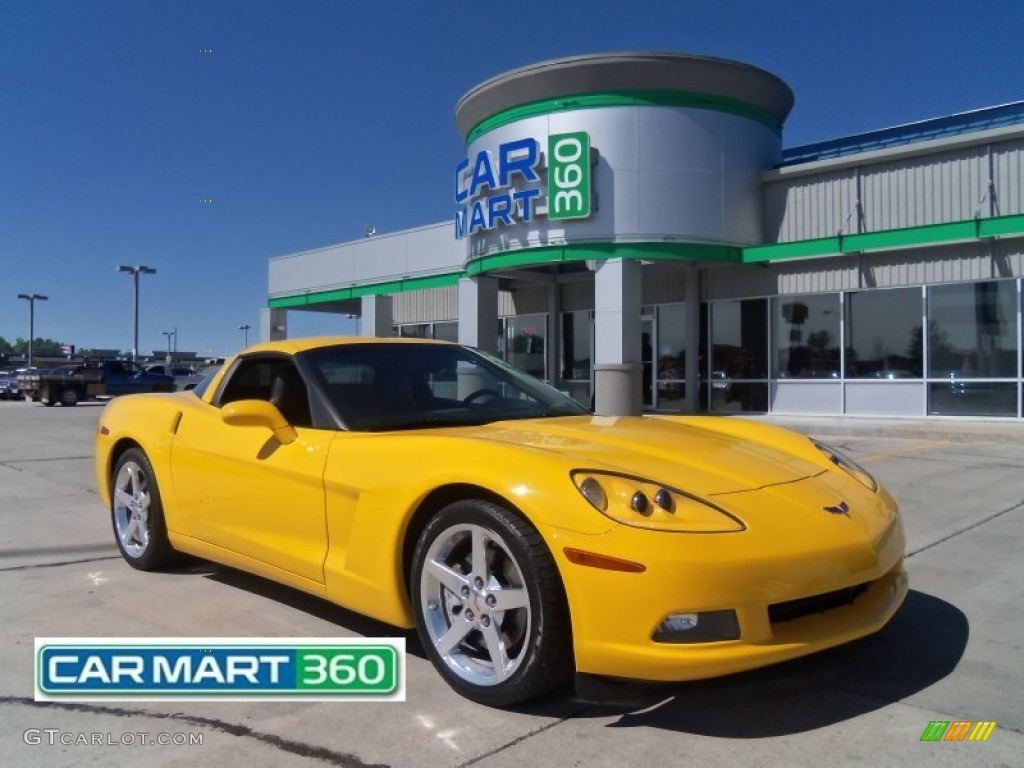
{"x":952,"y":653}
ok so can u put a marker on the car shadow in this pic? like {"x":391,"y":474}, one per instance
{"x":922,"y":644}
{"x":302,"y":601}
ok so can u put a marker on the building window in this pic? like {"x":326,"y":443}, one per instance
{"x":576,"y":355}
{"x":883,"y":334}
{"x":525,"y":337}
{"x":807,"y":337}
{"x":415,"y":331}
{"x":739,"y":355}
{"x":446,"y":331}
{"x":973,"y":337}
{"x":671,"y":357}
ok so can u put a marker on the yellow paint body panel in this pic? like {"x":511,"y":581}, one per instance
{"x":329,"y":514}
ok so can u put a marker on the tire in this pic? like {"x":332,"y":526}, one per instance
{"x":69,"y":397}
{"x":137,"y":514}
{"x":472,"y":559}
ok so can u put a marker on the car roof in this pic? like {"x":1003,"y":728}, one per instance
{"x":294,"y":346}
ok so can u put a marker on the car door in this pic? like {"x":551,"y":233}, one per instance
{"x":117,"y":377}
{"x":239,"y":488}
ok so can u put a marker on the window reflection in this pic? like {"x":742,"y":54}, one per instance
{"x":883,"y":334}
{"x":972,"y":330}
{"x":739,"y":353}
{"x":670,"y":364}
{"x":415,"y":331}
{"x":446,"y":331}
{"x":524,"y":343}
{"x":575,"y":352}
{"x":806,"y":343}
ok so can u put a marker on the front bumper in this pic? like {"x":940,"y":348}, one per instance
{"x":615,"y":614}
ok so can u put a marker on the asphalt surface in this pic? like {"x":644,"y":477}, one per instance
{"x":953,"y":652}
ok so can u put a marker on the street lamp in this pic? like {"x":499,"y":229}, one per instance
{"x":135,"y":271}
{"x":170,"y":335}
{"x":244,"y":328}
{"x":31,"y":298}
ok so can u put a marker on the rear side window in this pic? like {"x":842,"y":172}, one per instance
{"x":273,"y":379}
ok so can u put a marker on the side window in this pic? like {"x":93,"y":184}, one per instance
{"x":275,"y":380}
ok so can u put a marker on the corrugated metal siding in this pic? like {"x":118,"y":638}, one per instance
{"x":924,"y":190}
{"x":943,"y":264}
{"x":731,"y":282}
{"x":663,"y":283}
{"x":811,"y":206}
{"x":906,"y":192}
{"x":1008,"y":175}
{"x":431,"y":305}
{"x":576,"y":296}
{"x":524,"y":300}
{"x":837,"y":274}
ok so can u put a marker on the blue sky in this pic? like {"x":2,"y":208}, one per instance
{"x":310,"y":119}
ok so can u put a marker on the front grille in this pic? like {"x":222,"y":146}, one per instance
{"x":807,"y":606}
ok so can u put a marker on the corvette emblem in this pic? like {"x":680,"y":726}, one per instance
{"x":842,"y":508}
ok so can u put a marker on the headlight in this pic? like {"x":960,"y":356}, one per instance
{"x":645,"y":504}
{"x":840,"y":459}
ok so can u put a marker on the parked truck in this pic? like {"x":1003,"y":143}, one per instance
{"x":70,"y":384}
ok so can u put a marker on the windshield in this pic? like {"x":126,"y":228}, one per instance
{"x":206,"y":375}
{"x":376,"y":387}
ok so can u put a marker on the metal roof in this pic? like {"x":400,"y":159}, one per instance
{"x":910,"y":133}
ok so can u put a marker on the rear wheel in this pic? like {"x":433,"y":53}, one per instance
{"x":137,"y":514}
{"x":69,"y":397}
{"x":489,"y":604}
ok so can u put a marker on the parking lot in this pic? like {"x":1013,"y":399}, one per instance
{"x":954,"y":651}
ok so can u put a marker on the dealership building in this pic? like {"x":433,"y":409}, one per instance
{"x":630,"y":228}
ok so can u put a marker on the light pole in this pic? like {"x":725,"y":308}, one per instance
{"x":135,"y":271}
{"x":244,"y":328}
{"x":31,"y":298}
{"x":170,"y":335}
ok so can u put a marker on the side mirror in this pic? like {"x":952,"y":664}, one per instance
{"x":259,"y":413}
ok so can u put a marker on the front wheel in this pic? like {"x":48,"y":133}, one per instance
{"x":69,"y":397}
{"x":489,"y":604}
{"x":137,"y":514}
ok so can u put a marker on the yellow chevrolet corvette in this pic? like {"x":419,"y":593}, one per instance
{"x":429,"y":485}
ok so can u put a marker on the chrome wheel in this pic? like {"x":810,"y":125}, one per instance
{"x":478,"y":612}
{"x":136,"y":512}
{"x":489,"y":604}
{"x":131,"y":509}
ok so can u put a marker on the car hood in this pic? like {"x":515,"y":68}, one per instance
{"x":688,"y":457}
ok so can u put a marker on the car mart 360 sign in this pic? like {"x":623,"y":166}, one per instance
{"x":506,"y":187}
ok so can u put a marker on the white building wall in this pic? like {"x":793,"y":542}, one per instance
{"x":411,"y":253}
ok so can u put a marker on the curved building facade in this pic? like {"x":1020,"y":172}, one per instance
{"x":631,"y":228}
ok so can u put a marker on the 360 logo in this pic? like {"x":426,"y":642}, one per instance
{"x":569,"y":176}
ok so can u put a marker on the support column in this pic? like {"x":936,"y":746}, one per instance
{"x":617,"y":367}
{"x":553,"y":341}
{"x":376,"y":317}
{"x":478,"y":313}
{"x":692,"y":340}
{"x":273,"y":324}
